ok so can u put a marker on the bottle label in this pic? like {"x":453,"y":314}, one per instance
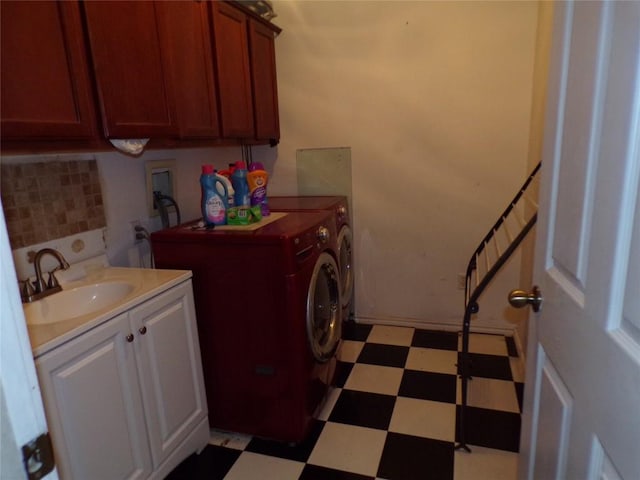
{"x":215,"y":210}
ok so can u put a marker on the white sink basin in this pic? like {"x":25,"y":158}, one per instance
{"x":76,"y":302}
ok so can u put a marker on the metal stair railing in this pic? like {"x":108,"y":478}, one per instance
{"x":492,"y":253}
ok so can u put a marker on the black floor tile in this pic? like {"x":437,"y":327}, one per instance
{"x":386,"y":355}
{"x":490,"y":428}
{"x":213,"y":463}
{"x":299,"y":452}
{"x":343,"y":370}
{"x":406,"y":457}
{"x":511,"y":347}
{"x":440,"y":387}
{"x":355,"y":331}
{"x":488,"y":366}
{"x":315,"y":472}
{"x":520,"y":393}
{"x":364,"y":409}
{"x":435,"y":339}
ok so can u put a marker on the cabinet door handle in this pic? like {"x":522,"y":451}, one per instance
{"x":129,"y":338}
{"x":143,"y":330}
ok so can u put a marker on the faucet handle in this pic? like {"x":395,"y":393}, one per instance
{"x":53,"y":281}
{"x":27,"y":289}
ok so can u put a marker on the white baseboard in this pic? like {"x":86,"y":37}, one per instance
{"x":449,"y":326}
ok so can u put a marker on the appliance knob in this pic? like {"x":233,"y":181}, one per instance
{"x":323,"y":234}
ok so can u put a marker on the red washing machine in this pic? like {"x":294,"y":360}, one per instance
{"x":339,"y":206}
{"x":269,"y":318}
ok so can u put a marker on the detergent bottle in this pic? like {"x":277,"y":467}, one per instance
{"x":214,"y":206}
{"x":240,"y":186}
{"x":257,"y":181}
{"x":230,"y":192}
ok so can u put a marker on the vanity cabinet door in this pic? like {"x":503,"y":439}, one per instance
{"x":94,"y":407}
{"x":46,"y":92}
{"x":170,"y":368}
{"x":131,"y":70}
{"x":264,"y":82}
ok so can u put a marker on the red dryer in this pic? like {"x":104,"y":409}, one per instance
{"x":269,"y":318}
{"x":339,"y":206}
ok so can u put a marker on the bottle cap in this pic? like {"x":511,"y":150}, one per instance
{"x":207,"y":169}
{"x":241,"y":165}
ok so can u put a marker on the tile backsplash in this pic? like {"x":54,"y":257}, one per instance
{"x":45,"y":200}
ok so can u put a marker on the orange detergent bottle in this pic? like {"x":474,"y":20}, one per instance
{"x":257,"y":179}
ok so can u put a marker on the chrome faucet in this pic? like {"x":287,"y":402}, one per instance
{"x":42,"y":288}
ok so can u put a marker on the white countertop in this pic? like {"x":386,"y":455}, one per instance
{"x":147,"y":284}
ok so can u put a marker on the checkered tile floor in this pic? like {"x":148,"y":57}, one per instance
{"x":392,"y":416}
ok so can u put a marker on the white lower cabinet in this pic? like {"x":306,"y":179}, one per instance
{"x":126,"y":399}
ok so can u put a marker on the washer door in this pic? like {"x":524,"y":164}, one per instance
{"x":345,"y":260}
{"x":323,"y":309}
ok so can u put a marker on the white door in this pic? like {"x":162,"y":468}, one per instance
{"x":22,"y":416}
{"x":582,"y":405}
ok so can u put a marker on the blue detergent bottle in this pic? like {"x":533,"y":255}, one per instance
{"x":214,"y":204}
{"x":240,"y":185}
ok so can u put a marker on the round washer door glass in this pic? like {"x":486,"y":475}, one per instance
{"x":323,"y":308}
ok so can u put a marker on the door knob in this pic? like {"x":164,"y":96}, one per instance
{"x":521,"y":298}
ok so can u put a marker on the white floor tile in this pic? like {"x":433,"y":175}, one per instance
{"x":432,"y":360}
{"x":485,"y":343}
{"x":254,"y":466}
{"x":517,"y":369}
{"x":237,"y":441}
{"x":485,"y":464}
{"x":349,"y":448}
{"x":349,"y":350}
{"x":391,"y":335}
{"x":490,"y":393}
{"x":424,"y":418}
{"x":374,"y":378}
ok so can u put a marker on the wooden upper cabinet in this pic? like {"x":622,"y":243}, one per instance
{"x":263,"y":77}
{"x":133,"y":83}
{"x":231,"y":51}
{"x":187,"y":42}
{"x":46,"y":92}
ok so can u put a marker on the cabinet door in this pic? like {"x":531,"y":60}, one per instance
{"x":263,"y":76}
{"x":187,"y":42}
{"x":170,"y":368}
{"x":93,"y":405}
{"x":134,"y":88}
{"x":234,"y":76}
{"x":46,"y":90}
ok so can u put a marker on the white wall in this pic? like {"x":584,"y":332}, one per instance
{"x":434,"y":99}
{"x":541,"y":68}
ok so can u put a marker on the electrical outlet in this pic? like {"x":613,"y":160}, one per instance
{"x":134,"y":224}
{"x":462,"y":278}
